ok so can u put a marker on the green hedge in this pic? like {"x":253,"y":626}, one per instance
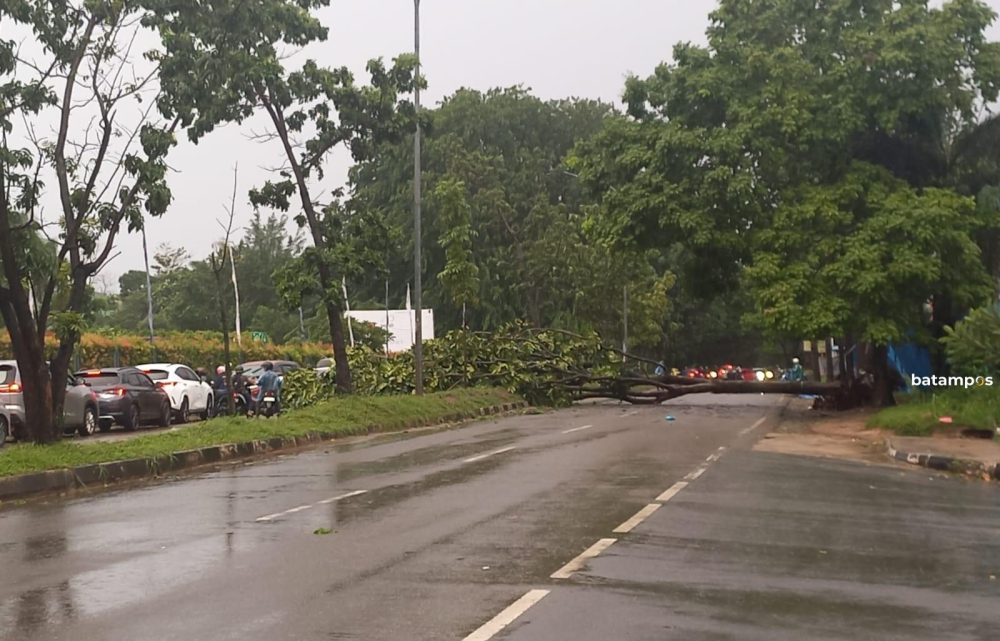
{"x":197,"y":349}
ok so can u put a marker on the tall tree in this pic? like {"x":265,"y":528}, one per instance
{"x":225,"y":64}
{"x":108,"y":174}
{"x":786,"y":112}
{"x":505,"y":147}
{"x":460,"y":276}
{"x":265,"y":247}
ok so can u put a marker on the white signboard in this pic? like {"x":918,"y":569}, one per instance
{"x":401,"y":325}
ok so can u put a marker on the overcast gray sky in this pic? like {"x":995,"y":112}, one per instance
{"x":558,"y":48}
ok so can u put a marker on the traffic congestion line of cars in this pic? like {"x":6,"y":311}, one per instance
{"x":132,"y":396}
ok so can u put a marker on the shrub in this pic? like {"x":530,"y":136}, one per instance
{"x":973,"y":346}
{"x":197,"y":349}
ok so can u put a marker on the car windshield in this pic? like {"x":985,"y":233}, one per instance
{"x":8,"y":374}
{"x":99,"y":380}
{"x":157,"y":374}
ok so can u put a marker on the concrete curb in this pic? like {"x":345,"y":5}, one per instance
{"x":99,"y":474}
{"x":945,"y":463}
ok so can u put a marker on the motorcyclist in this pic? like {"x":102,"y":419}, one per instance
{"x":219,"y":382}
{"x":795,"y":373}
{"x":268,"y":382}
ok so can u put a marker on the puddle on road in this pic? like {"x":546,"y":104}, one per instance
{"x":374,"y":440}
{"x":347,"y":471}
{"x":367,"y":505}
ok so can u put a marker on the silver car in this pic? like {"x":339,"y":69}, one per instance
{"x":79,"y":408}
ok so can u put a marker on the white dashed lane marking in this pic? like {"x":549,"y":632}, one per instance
{"x":674,"y":489}
{"x":759,"y":422}
{"x":473,"y":459}
{"x":577,"y":429}
{"x":567,"y":570}
{"x":342,"y":496}
{"x":693,"y":475}
{"x":639,"y":517}
{"x":277,"y":515}
{"x":510,"y":614}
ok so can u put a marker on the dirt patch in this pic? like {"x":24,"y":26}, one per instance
{"x":842,"y":435}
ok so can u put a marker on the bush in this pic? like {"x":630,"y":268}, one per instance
{"x":197,"y":349}
{"x":305,"y":387}
{"x":920,"y":413}
{"x":973,"y":346}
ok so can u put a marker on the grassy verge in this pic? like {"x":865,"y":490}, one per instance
{"x":919,"y":414}
{"x":345,"y":416}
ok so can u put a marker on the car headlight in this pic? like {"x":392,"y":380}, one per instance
{"x":760,"y":376}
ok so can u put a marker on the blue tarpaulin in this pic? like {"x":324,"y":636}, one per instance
{"x":910,"y":359}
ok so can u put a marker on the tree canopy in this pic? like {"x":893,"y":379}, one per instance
{"x":825,"y":146}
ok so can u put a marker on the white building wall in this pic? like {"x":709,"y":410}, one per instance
{"x":401,"y":325}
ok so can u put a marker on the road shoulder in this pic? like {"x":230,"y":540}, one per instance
{"x":844,"y":435}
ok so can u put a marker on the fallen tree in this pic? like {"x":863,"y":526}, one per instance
{"x":636,"y":389}
{"x":544,"y":366}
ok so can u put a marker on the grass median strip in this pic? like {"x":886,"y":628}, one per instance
{"x":346,"y":416}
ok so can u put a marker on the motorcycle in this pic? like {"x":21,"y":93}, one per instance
{"x":238,"y":401}
{"x":267,"y":406}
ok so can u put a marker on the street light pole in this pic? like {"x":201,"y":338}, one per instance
{"x":418,"y":347}
{"x":149,"y":288}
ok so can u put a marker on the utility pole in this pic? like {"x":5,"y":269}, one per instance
{"x":149,"y":287}
{"x":625,"y":321}
{"x":418,"y":347}
{"x":236,"y":293}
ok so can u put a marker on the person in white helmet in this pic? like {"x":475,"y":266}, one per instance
{"x":220,"y":378}
{"x":795,"y":372}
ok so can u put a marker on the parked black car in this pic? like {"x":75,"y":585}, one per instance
{"x":127,"y":396}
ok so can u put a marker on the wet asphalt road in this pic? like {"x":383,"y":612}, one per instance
{"x":433,"y":534}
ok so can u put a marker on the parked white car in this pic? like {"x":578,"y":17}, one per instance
{"x":188,"y":393}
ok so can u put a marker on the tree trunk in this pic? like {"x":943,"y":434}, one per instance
{"x":339,"y":348}
{"x":830,"y":367}
{"x":883,"y":382}
{"x":326,"y":279}
{"x":622,"y":388}
{"x":40,"y":425}
{"x":27,"y":340}
{"x":59,"y":367}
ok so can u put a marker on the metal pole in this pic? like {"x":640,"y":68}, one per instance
{"x":149,"y":287}
{"x":625,"y":321}
{"x":347,"y":308}
{"x":418,"y":347}
{"x":236,"y":292}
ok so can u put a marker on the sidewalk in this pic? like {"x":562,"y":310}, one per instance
{"x":845,"y":435}
{"x":979,"y":457}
